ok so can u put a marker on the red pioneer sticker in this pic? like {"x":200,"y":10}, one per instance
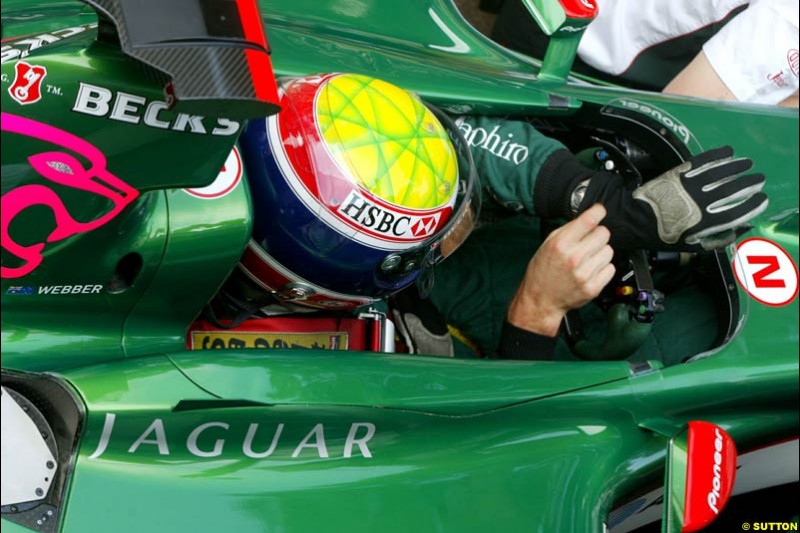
{"x":710,"y":474}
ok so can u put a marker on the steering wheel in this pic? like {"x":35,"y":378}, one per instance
{"x":631,"y":304}
{"x":630,"y":301}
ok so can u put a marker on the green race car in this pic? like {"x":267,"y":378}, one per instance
{"x":116,"y":118}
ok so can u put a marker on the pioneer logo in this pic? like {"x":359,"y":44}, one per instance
{"x":716,"y":481}
{"x":383,"y":222}
{"x":710,"y":463}
{"x":133,"y":109}
{"x":667,"y":120}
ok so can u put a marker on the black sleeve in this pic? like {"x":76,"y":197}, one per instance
{"x":521,"y":344}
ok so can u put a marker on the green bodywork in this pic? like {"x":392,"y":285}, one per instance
{"x":459,"y":445}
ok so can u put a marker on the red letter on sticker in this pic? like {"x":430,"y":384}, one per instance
{"x":759,"y":278}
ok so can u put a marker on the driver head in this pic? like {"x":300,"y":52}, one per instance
{"x":358,"y":188}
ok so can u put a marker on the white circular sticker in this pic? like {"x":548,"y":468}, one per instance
{"x":227,"y":179}
{"x":766,"y":272}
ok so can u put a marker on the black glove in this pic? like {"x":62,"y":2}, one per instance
{"x":702,"y":204}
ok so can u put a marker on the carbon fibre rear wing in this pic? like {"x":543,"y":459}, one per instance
{"x":211,"y":55}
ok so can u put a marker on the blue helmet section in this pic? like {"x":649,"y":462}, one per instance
{"x":301,"y":242}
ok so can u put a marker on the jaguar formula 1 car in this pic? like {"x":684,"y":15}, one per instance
{"x":118,"y":228}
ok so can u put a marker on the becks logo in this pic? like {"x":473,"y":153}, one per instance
{"x":124,"y":107}
{"x":27,"y":86}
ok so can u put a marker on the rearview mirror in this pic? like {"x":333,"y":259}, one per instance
{"x":564,"y":21}
{"x":701,"y":469}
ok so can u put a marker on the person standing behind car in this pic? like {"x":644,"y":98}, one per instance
{"x":728,"y":50}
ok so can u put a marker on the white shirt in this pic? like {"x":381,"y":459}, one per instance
{"x":755,"y":54}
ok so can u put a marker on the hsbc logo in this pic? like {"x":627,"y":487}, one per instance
{"x":385,"y":223}
{"x":424,"y":226}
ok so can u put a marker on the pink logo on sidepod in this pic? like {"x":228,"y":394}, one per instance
{"x":64,"y":169}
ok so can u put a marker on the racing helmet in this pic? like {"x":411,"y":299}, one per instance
{"x":358,"y":190}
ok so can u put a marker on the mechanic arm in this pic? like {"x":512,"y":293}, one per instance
{"x":699,"y":79}
{"x":753,"y":58}
{"x":569,"y":270}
